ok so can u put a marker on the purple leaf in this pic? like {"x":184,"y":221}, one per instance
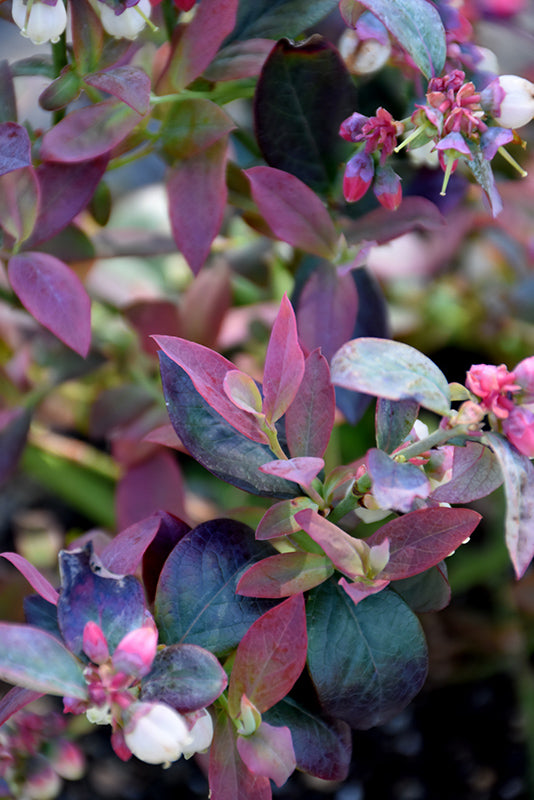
{"x":229,"y":778}
{"x":115,"y":602}
{"x":279,"y":520}
{"x":196,"y":189}
{"x":19,"y":202}
{"x":55,"y":296}
{"x":270,"y":656}
{"x":184,"y":676}
{"x":475,"y":473}
{"x":15,"y":147}
{"x":340,"y":547}
{"x":68,"y":188}
{"x":310,"y":417}
{"x":197,"y":45}
{"x":284,"y":574}
{"x":33,"y":576}
{"x":380,"y":225}
{"x":284,"y":364}
{"x":396,"y":485}
{"x":124,"y":553}
{"x":301,"y":470}
{"x":15,"y":699}
{"x":129,"y":84}
{"x":154,"y":484}
{"x":169,"y":533}
{"x":36,"y":660}
{"x":269,"y":751}
{"x":207,"y":370}
{"x":423,"y":538}
{"x":89,"y":132}
{"x":394,"y":370}
{"x":326,"y":310}
{"x":518,"y":473}
{"x":293,"y":211}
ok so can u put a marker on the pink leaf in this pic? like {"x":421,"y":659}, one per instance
{"x":201,"y":39}
{"x":205,"y":304}
{"x":284,"y":364}
{"x":269,"y":751}
{"x":33,"y":576}
{"x":155,"y":484}
{"x":129,"y":84}
{"x":270,"y":656}
{"x":359,"y":590}
{"x":89,"y":132}
{"x":207,"y":369}
{"x":284,"y":574}
{"x":421,"y":539}
{"x":243,"y":391}
{"x":15,"y":699}
{"x":279,"y":520}
{"x":15,"y":147}
{"x":293,"y":211}
{"x":310,"y":417}
{"x":229,"y":778}
{"x":300,"y":470}
{"x":340,"y":547}
{"x":196,"y":188}
{"x":124,"y":553}
{"x":55,"y":296}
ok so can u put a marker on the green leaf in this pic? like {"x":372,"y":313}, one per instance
{"x":36,"y":660}
{"x":367,"y":661}
{"x":303,"y":94}
{"x":393,"y":370}
{"x":416,"y":24}
{"x":269,"y":19}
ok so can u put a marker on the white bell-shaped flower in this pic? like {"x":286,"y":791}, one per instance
{"x":201,"y":732}
{"x":517,"y":106}
{"x":39,"y":21}
{"x":127,"y":25}
{"x":156,"y":733}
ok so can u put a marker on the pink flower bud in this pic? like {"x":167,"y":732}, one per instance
{"x":518,"y":428}
{"x":136,"y":652}
{"x":359,"y":173}
{"x":156,"y":733}
{"x":387,"y":188}
{"x":95,"y":645}
{"x":44,"y":23}
{"x":67,"y":760}
{"x":493,"y":385}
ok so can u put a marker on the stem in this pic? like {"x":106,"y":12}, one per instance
{"x":221,"y":95}
{"x":59,"y":53}
{"x":440,"y":436}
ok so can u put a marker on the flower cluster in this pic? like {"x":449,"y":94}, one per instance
{"x":508,"y":400}
{"x":45,"y":20}
{"x":377,"y":137}
{"x":35,"y":756}
{"x":152,"y":731}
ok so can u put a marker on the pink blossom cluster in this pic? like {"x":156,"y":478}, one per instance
{"x":508,"y":399}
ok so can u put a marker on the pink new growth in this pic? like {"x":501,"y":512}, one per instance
{"x":494,"y":386}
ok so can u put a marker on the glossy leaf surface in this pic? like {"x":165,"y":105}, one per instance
{"x":303,"y":94}
{"x":55,"y":296}
{"x":475,"y":473}
{"x":428,"y":591}
{"x":196,"y":601}
{"x":35,"y":660}
{"x":367,"y":661}
{"x":394,"y":421}
{"x":185,"y":677}
{"x":393,"y":370}
{"x":275,"y":18}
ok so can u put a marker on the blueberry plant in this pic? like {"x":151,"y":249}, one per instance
{"x":261,"y":644}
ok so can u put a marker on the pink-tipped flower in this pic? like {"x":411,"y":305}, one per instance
{"x":156,"y":733}
{"x":95,"y":645}
{"x":67,"y":759}
{"x":359,"y":173}
{"x":494,"y":386}
{"x":387,"y":188}
{"x":136,"y":652}
{"x":518,"y":428}
{"x":524,"y":377}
